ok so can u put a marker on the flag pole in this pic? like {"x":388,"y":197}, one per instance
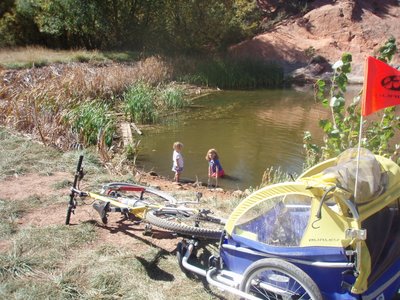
{"x":363,"y":91}
{"x":358,"y":157}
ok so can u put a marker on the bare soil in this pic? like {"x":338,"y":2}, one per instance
{"x":118,"y":230}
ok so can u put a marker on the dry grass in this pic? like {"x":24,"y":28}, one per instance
{"x":36,"y":100}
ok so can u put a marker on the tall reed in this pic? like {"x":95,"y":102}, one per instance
{"x":140,"y":104}
{"x":144,"y":103}
{"x":228,"y":73}
{"x":89,"y":119}
{"x":173,"y":97}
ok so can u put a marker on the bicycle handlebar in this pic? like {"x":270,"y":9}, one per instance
{"x":79,"y":193}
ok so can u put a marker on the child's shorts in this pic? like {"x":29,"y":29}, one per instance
{"x":220,"y":174}
{"x":177,"y":170}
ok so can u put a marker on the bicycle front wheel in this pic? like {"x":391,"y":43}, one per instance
{"x":187,"y":223}
{"x":68,"y":217}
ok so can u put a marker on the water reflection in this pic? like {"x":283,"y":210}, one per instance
{"x":251,"y":130}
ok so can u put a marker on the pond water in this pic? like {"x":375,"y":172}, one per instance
{"x":251,"y":130}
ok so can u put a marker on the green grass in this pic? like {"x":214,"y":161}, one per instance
{"x":107,"y":272}
{"x":20,"y":156}
{"x":28,"y":57}
{"x":123,"y":56}
{"x":31,"y":269}
{"x":15,"y":264}
{"x":38,"y":250}
{"x":9,"y":212}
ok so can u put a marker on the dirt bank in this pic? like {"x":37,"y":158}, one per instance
{"x":329,"y":29}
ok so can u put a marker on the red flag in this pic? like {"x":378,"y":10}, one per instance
{"x":381,"y":86}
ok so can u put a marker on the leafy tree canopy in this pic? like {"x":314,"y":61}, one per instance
{"x":171,"y":25}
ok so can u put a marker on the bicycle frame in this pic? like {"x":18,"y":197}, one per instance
{"x":139,"y":209}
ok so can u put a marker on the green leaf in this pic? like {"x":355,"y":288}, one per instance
{"x":321,"y":83}
{"x":337,"y":102}
{"x":347,"y":58}
{"x":325,"y":102}
{"x":326,"y":125}
{"x":341,"y":81}
{"x":346,"y":68}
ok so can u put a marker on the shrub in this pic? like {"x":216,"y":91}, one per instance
{"x":342,"y":130}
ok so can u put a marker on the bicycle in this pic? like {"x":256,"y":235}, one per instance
{"x":149,"y":205}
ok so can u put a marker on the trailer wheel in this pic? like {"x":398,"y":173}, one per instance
{"x":273,"y":278}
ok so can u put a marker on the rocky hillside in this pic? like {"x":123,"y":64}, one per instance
{"x":329,"y":29}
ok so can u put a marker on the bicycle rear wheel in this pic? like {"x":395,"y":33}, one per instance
{"x":129,"y":193}
{"x":187,"y":223}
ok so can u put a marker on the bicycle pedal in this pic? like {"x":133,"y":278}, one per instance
{"x":102,"y":209}
{"x":147,"y":230}
{"x":104,"y":219}
{"x":147,"y":233}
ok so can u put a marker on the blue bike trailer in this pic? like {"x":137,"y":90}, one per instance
{"x":344,"y":236}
